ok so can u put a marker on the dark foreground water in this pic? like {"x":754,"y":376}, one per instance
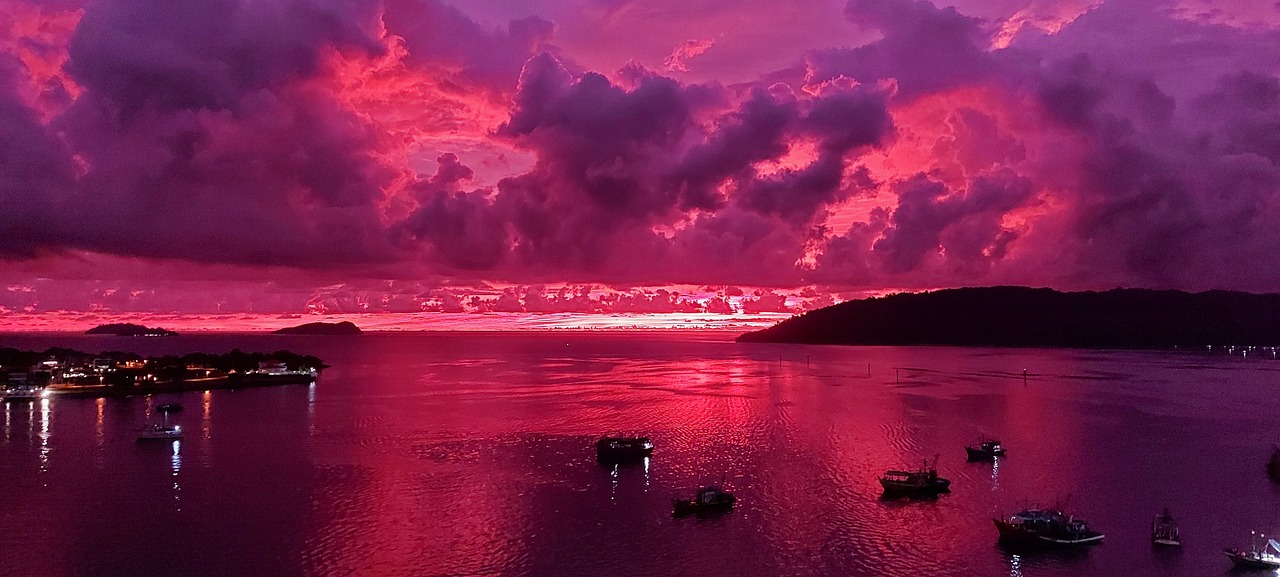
{"x":465,"y":454}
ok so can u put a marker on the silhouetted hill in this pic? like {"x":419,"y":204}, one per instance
{"x":340,"y":328}
{"x":1027,"y":317}
{"x":129,"y":330}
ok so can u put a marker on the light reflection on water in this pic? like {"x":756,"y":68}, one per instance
{"x":44,"y":434}
{"x":473,"y":455}
{"x":175,"y":465}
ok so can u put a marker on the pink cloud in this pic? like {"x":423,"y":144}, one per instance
{"x":678,"y":61}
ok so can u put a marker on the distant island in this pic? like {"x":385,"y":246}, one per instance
{"x":1008,"y":316}
{"x":130,"y":330}
{"x":339,"y":328}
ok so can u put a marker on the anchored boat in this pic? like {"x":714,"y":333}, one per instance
{"x":623,"y":448}
{"x":1164,"y":530}
{"x":159,"y":432}
{"x":986,"y":450}
{"x":1046,"y":527}
{"x":1266,"y":556}
{"x":709,"y":499}
{"x":923,"y":482}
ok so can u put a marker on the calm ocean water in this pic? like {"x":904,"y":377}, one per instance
{"x":471,"y":454}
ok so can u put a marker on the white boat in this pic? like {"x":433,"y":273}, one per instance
{"x":157,"y":431}
{"x":1265,"y":557}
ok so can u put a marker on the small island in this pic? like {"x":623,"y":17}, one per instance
{"x":129,"y":330}
{"x":330,"y":329}
{"x":61,"y":371}
{"x":1010,"y":316}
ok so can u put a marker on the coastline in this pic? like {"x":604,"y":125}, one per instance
{"x":183,"y":386}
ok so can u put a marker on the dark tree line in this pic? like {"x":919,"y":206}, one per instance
{"x":1028,"y":317}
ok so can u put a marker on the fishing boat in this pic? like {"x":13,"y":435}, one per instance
{"x":1266,"y":556}
{"x":623,"y":448}
{"x":709,"y":499}
{"x":159,"y":432}
{"x":923,"y":482}
{"x":170,"y":408}
{"x":1046,"y":527}
{"x":1273,"y":465}
{"x":1164,"y":530}
{"x":986,"y":450}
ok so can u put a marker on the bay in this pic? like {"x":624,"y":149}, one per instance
{"x":472,"y":454}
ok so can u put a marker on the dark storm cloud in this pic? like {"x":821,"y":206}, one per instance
{"x":924,"y":48}
{"x":615,"y":164}
{"x":35,"y":171}
{"x":450,"y":172}
{"x":963,"y":225}
{"x":207,"y":54}
{"x":757,"y":131}
{"x":843,"y":120}
{"x":463,"y":229}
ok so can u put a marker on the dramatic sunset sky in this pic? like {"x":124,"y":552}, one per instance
{"x":556,"y":162}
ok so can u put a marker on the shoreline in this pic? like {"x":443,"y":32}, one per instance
{"x":184,"y":386}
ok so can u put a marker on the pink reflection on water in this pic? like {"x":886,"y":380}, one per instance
{"x":59,"y":321}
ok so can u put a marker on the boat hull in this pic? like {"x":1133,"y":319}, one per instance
{"x":615,"y":455}
{"x":894,"y":489}
{"x":621,"y":449}
{"x":684,"y":508}
{"x":1243,"y":561}
{"x":1088,"y":540}
{"x":1013,"y":534}
{"x":981,"y":455}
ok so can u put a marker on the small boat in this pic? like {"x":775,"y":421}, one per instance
{"x":709,"y":499}
{"x":1164,"y":530}
{"x":923,"y":482}
{"x":623,"y":448}
{"x":1273,"y":465}
{"x":170,"y":408}
{"x":1266,"y":557}
{"x":986,"y":450}
{"x":1046,"y":527}
{"x":159,"y":432}
{"x":21,"y":394}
